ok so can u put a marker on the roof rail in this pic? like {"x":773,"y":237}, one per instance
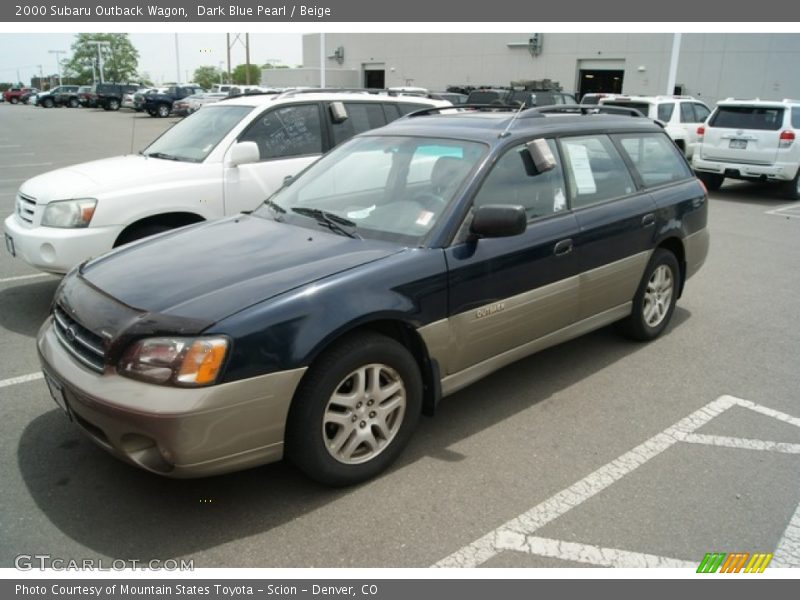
{"x":468,"y":108}
{"x":354,"y":90}
{"x":589,"y":109}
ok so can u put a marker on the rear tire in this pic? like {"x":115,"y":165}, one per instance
{"x":163,"y":110}
{"x":113,"y":104}
{"x":655,"y":299}
{"x":792,"y":188}
{"x":73,"y":103}
{"x":355,"y":410}
{"x":712,"y":181}
{"x":14,"y":101}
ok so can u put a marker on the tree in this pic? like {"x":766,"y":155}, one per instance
{"x":206,"y":76}
{"x":239,"y":75}
{"x":120,"y":58}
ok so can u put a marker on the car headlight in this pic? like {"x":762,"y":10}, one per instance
{"x":69,"y":213}
{"x":184,"y":362}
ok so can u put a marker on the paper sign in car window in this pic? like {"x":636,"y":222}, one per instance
{"x":581,"y":168}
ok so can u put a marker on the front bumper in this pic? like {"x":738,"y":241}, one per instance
{"x":775,"y":171}
{"x":176,"y":432}
{"x":56,"y":250}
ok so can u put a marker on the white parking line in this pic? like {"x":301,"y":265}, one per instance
{"x":790,"y":210}
{"x":744,"y":443}
{"x":21,"y":277}
{"x":589,"y":554}
{"x":788,"y":552}
{"x":527,"y":523}
{"x":21,"y":379}
{"x":518,"y":533}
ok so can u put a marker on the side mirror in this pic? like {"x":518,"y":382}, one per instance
{"x":243,"y":153}
{"x":338,"y":112}
{"x":498,"y":220}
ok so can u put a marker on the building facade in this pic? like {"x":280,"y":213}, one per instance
{"x":711,"y":66}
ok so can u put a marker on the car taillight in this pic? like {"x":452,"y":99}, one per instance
{"x":701,"y":131}
{"x":786,"y":139}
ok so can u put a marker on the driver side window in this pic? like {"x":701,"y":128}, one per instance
{"x":510,"y":182}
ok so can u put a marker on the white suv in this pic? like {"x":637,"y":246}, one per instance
{"x":680,"y":115}
{"x":219,"y":161}
{"x":751,"y":139}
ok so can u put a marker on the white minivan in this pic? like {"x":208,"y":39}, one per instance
{"x":222,"y":160}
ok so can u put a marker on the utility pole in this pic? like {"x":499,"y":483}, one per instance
{"x":58,"y":62}
{"x":322,"y":60}
{"x":100,"y":57}
{"x":673,"y":63}
{"x":247,"y":57}
{"x":228,"y":45}
{"x":177,"y":61}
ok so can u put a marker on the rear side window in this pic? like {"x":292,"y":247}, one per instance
{"x":287,"y":131}
{"x":509,"y":182}
{"x":595,"y":170}
{"x":665,"y":110}
{"x":687,"y":114}
{"x":747,"y":117}
{"x":701,"y":112}
{"x":796,"y":117}
{"x":391,"y":112}
{"x":409,"y":107}
{"x":655,"y":157}
{"x":361,"y":117}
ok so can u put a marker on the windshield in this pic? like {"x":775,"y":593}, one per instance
{"x":198,"y":134}
{"x":387,"y":188}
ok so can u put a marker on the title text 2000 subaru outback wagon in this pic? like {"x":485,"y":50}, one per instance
{"x":404,"y":265}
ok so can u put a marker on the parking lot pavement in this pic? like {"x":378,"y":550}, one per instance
{"x":597,"y":452}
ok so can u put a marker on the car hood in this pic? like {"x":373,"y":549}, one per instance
{"x":108,"y":177}
{"x":212,"y":270}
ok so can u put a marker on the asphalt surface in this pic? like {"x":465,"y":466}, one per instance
{"x":541,"y":437}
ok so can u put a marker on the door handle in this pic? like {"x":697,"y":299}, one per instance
{"x":648,"y":220}
{"x":562,"y":248}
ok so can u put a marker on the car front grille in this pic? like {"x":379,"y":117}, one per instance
{"x":26,"y":207}
{"x":85,"y":346}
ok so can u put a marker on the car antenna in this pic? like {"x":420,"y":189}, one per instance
{"x":511,"y":122}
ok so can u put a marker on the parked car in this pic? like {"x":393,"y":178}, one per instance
{"x":679,"y":114}
{"x":520,"y":97}
{"x":221,"y":88}
{"x":63,"y":95}
{"x":193,"y":103}
{"x":87,"y":96}
{"x":138,"y":97}
{"x":110,"y":95}
{"x":127,"y":99}
{"x":406,"y":264}
{"x":160,"y":104}
{"x":755,"y":140}
{"x":14,"y":95}
{"x":453,"y":98}
{"x":221,"y":160}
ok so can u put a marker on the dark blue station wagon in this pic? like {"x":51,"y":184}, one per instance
{"x":402,"y":266}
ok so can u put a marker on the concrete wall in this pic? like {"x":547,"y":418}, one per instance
{"x":712,"y":65}
{"x":306,"y":77}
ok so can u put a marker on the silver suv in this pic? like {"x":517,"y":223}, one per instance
{"x":753,"y":140}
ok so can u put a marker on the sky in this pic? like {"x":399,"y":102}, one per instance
{"x":25,"y":52}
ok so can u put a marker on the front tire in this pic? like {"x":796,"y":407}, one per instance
{"x":163,"y":110}
{"x":712,"y":181}
{"x":73,"y":103}
{"x":14,"y":101}
{"x":655,"y":299}
{"x":355,"y":410}
{"x":48,"y":103}
{"x":113,"y":104}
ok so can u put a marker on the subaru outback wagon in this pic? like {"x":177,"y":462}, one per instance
{"x":404,"y":265}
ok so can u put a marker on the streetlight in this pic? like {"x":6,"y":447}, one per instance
{"x":58,"y":62}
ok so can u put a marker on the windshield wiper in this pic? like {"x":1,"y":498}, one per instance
{"x":331,"y":220}
{"x":275,"y":207}
{"x":163,"y":155}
